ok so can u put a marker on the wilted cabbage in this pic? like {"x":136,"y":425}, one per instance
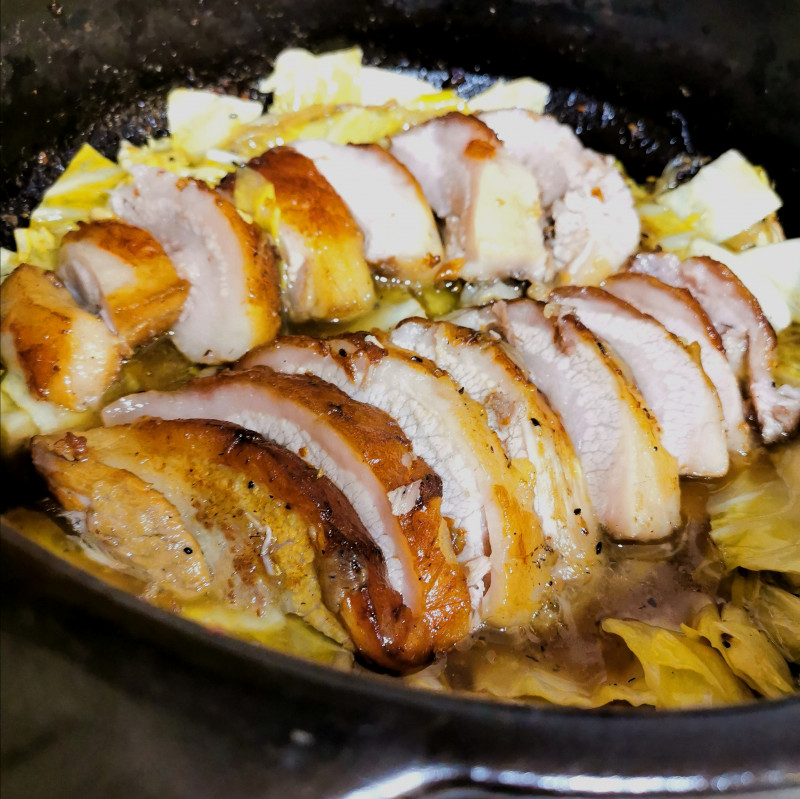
{"x":750,"y":654}
{"x":680,"y":670}
{"x":774,"y":610}
{"x":755,"y":519}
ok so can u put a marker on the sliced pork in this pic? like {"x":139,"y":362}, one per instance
{"x":490,"y":204}
{"x":684,"y":317}
{"x":234,"y":299}
{"x":632,"y":479}
{"x":401,"y":239}
{"x":65,"y":354}
{"x":497,"y":538}
{"x":325,"y":274}
{"x":672,"y":382}
{"x":596,"y":227}
{"x":747,"y":335}
{"x":366,"y":456}
{"x":267,"y":529}
{"x":531,"y":434}
{"x":123,"y":274}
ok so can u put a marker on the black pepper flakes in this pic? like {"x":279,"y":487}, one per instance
{"x":343,"y":352}
{"x":251,"y":484}
{"x":577,"y":511}
{"x":535,"y":422}
{"x":188,"y":550}
{"x":599,"y":548}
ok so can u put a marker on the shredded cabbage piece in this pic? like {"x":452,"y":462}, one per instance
{"x":22,"y":415}
{"x":199,"y":121}
{"x":526,"y":93}
{"x":748,"y":652}
{"x":508,"y":675}
{"x":80,"y":193}
{"x":729,"y":194}
{"x":755,"y":518}
{"x":681,"y":671}
{"x":774,"y":610}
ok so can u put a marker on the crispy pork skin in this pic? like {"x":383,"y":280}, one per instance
{"x":672,"y":382}
{"x":748,"y":337}
{"x":325,"y":275}
{"x":596,"y":227}
{"x":489,"y":203}
{"x":66,"y":354}
{"x":531,"y":433}
{"x":632,"y":479}
{"x":122,"y":273}
{"x":497,"y":537}
{"x":401,"y":239}
{"x":234,"y":299}
{"x":267,"y":528}
{"x":685,"y":318}
{"x":365,"y":455}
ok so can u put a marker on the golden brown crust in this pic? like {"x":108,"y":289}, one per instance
{"x":335,"y":281}
{"x":262,"y":276}
{"x":67,"y":355}
{"x":383,"y":445}
{"x":236,"y":478}
{"x":151,"y":303}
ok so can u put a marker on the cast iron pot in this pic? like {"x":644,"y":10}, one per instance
{"x":103,"y":696}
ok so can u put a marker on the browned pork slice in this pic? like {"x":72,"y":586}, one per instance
{"x":489,"y":203}
{"x":65,"y":354}
{"x":497,"y":538}
{"x":325,"y":274}
{"x":216,"y":510}
{"x":234,"y":300}
{"x":531,"y":433}
{"x":401,"y":239}
{"x":685,"y":318}
{"x":747,"y":335}
{"x":365,"y":455}
{"x":672,"y":382}
{"x":596,"y":227}
{"x":123,"y":274}
{"x":632,"y":479}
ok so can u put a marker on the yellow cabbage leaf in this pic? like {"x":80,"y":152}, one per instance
{"x":80,"y":193}
{"x":201,"y":120}
{"x":301,"y":79}
{"x":509,"y":675}
{"x":681,"y":671}
{"x":750,"y":654}
{"x":755,"y":519}
{"x":164,"y":153}
{"x":341,"y":124}
{"x":788,"y":369}
{"x":774,"y":610}
{"x":520,"y":93}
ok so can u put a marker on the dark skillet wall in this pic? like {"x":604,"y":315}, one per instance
{"x":731,"y":69}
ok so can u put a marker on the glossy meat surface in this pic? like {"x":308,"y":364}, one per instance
{"x":400,"y":235}
{"x":632,"y":479}
{"x":672,"y":382}
{"x":531,"y":433}
{"x":65,"y":354}
{"x":321,"y":245}
{"x":240,"y":519}
{"x":366,"y":456}
{"x":490,"y":204}
{"x":684,"y":317}
{"x":596,"y":227}
{"x":748,"y":337}
{"x":234,"y":299}
{"x":497,"y":538}
{"x":123,"y":274}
